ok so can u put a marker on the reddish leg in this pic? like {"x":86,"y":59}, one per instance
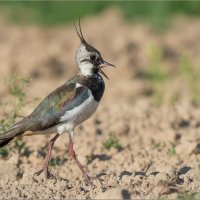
{"x":48,"y":157}
{"x":73,"y":155}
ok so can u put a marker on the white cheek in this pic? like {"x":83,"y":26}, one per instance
{"x":86,"y":68}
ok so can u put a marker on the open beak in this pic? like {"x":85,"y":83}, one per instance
{"x":104,"y":64}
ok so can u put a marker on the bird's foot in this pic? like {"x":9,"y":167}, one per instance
{"x":88,"y":179}
{"x":46,"y":173}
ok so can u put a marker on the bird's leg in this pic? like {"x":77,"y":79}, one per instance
{"x":73,"y":155}
{"x":48,"y":157}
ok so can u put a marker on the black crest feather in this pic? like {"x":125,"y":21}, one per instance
{"x":79,"y":32}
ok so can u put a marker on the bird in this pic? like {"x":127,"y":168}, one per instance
{"x":67,"y":106}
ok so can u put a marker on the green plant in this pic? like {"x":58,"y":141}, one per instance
{"x":162,"y":198}
{"x":156,"y":145}
{"x":192,"y":78}
{"x":113,"y":142}
{"x":55,"y":161}
{"x":172,"y":151}
{"x":187,"y":196}
{"x":156,"y":13}
{"x":19,"y":145}
{"x":16,"y":87}
{"x":156,"y":74}
{"x":4,"y":152}
{"x":5,"y":123}
{"x":174,"y":97}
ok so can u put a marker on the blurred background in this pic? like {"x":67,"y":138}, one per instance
{"x":156,"y":42}
{"x":153,"y":94}
{"x":59,"y":13}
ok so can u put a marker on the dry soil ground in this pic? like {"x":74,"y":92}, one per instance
{"x":159,"y":134}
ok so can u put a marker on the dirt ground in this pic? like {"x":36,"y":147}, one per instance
{"x":160,"y":152}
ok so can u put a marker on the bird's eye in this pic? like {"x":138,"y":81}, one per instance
{"x":93,"y":57}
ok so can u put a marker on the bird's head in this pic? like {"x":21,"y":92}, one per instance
{"x":88,"y":58}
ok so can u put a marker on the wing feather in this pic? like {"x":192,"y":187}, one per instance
{"x":55,"y":105}
{"x":48,"y":113}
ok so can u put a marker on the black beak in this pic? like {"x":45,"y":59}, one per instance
{"x":104,"y":64}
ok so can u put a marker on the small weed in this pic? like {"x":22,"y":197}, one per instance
{"x":172,"y":150}
{"x":162,"y":198}
{"x":5,"y":124}
{"x":155,"y":71}
{"x":55,"y":161}
{"x":192,"y":78}
{"x":113,"y":142}
{"x":156,"y":145}
{"x":4,"y":152}
{"x":187,"y":196}
{"x":19,"y":145}
{"x":156,"y":74}
{"x":174,"y":97}
{"x":16,"y":87}
{"x":197,"y":171}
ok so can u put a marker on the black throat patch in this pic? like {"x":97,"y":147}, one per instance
{"x":95,"y":83}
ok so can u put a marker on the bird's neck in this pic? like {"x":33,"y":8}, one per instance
{"x":97,"y":87}
{"x":94,"y":82}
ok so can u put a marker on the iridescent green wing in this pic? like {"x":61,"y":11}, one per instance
{"x":49,"y":111}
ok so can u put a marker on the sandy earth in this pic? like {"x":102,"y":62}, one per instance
{"x":160,"y":143}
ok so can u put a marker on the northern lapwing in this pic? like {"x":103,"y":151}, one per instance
{"x":67,"y":106}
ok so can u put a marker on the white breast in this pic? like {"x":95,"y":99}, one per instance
{"x":74,"y":117}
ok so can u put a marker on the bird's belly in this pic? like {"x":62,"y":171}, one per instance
{"x":80,"y":113}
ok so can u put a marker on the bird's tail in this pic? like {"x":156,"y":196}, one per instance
{"x":11,"y":134}
{"x":6,"y":141}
